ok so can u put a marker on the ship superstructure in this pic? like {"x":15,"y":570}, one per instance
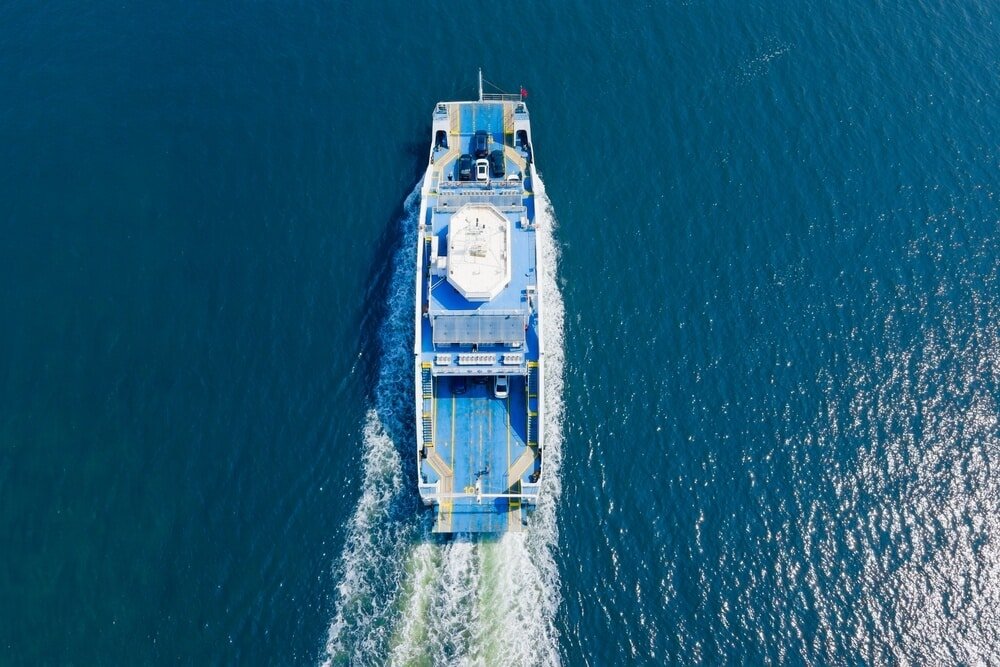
{"x":478,"y":352}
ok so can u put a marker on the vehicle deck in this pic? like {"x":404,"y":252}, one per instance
{"x":480,"y":446}
{"x":477,"y":449}
{"x":467,"y":118}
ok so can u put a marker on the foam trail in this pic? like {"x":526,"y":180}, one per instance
{"x":411,"y":632}
{"x":527,"y":594}
{"x":503,"y":609}
{"x":405,"y":598}
{"x":383,"y":525}
{"x":454,"y":611}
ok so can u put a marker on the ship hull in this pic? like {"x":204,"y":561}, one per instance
{"x":478,"y":352}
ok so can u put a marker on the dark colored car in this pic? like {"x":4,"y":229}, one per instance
{"x":496,"y":164}
{"x":480,"y":144}
{"x":465,"y":167}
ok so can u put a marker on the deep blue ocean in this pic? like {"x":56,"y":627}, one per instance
{"x":774,"y":248}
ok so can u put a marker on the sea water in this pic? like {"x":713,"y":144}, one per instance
{"x":772,"y":244}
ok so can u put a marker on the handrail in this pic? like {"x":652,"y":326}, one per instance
{"x":500,"y":97}
{"x":451,"y":496}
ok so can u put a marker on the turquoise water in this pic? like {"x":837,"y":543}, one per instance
{"x":777,"y":236}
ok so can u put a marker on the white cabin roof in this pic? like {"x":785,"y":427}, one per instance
{"x":478,"y":251}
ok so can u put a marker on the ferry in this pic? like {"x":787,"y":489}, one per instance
{"x":479,"y":354}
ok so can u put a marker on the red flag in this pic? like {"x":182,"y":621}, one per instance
{"x":524,"y":93}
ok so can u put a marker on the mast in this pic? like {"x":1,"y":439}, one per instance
{"x":480,"y":84}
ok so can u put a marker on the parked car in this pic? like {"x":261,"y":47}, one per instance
{"x":465,"y":167}
{"x":480,"y":143}
{"x":497,"y":163}
{"x":501,"y":387}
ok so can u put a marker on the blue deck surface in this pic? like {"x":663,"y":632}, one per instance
{"x":476,"y":437}
{"x":450,"y":164}
{"x":479,"y":437}
{"x":489,"y":433}
{"x":522,"y":274}
{"x":483,"y":116}
{"x":475,"y":117}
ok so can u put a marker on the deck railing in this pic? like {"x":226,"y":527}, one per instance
{"x":501,"y":97}
{"x":455,"y":496}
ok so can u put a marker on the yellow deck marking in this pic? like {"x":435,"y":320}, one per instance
{"x":514,"y":156}
{"x":508,"y":123}
{"x":444,"y":475}
{"x":508,"y":433}
{"x":472,"y":456}
{"x":513,"y":504}
{"x":522,"y":464}
{"x":452,"y":435}
{"x":443,"y":162}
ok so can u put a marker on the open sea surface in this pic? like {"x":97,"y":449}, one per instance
{"x":773,"y":251}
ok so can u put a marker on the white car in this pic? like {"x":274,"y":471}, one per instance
{"x":500,"y":386}
{"x":482,"y":170}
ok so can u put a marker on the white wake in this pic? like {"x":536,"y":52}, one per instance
{"x":403,"y":596}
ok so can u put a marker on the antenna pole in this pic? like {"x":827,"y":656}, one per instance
{"x":480,"y":84}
